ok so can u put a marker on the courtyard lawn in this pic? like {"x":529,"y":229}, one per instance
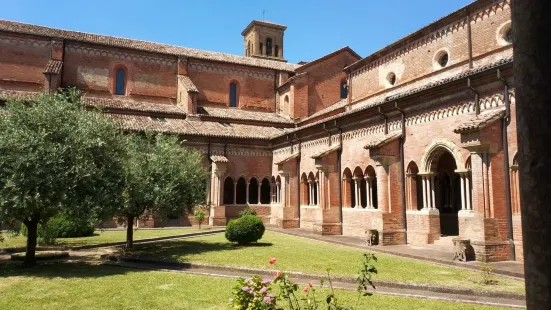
{"x":310,"y":256}
{"x":76,"y":286}
{"x":103,"y":236}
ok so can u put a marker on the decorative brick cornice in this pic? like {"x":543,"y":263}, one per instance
{"x":23,"y":41}
{"x":121,"y":56}
{"x":497,"y":5}
{"x":230,"y":71}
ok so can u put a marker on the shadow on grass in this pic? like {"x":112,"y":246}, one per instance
{"x":176,"y":250}
{"x":62,"y":270}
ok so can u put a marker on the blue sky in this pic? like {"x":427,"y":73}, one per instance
{"x":315,"y":27}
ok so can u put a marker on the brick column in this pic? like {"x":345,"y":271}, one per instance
{"x":382,"y":188}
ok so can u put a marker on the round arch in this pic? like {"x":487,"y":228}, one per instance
{"x":435,"y":149}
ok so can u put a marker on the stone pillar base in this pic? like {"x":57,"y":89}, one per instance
{"x":294,"y":223}
{"x":392,"y":237}
{"x":217,"y":216}
{"x":423,"y":226}
{"x":491,"y":251}
{"x":327,"y":229}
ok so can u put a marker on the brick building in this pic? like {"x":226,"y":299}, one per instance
{"x":417,"y":140}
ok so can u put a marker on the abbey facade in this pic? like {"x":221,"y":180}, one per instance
{"x":417,"y":140}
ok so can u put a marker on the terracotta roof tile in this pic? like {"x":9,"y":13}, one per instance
{"x":15,"y":94}
{"x":429,"y":85}
{"x":238,"y":114}
{"x":53,"y":66}
{"x":482,"y":120}
{"x":144,"y":46}
{"x":219,"y":159}
{"x":188,"y":84}
{"x":288,"y":158}
{"x":378,"y":142}
{"x":339,"y":104}
{"x":219,"y":129}
{"x":137,"y":123}
{"x":132,"y":105}
{"x":326,"y":151}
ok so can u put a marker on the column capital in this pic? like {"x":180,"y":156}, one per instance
{"x":462,"y":171}
{"x":356,"y":178}
{"x":427,"y":174}
{"x":412,"y":174}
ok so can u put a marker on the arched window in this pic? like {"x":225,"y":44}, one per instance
{"x":260,"y":49}
{"x":249,"y":48}
{"x":233,"y":95}
{"x":414,"y":188}
{"x":371,"y":187}
{"x":344,"y":89}
{"x":241,"y":191}
{"x":120,"y":82}
{"x":265,"y":191}
{"x":269,"y":47}
{"x":228,"y":191}
{"x":276,"y":51}
{"x":253,"y":191}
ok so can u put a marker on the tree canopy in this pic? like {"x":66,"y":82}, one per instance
{"x":56,"y":157}
{"x":162,"y":177}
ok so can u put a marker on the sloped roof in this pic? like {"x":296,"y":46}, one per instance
{"x":144,"y":46}
{"x":137,"y":123}
{"x":133,"y":105}
{"x":378,"y":142}
{"x":219,"y":159}
{"x":262,"y":23}
{"x":188,"y":83}
{"x":16,"y":94}
{"x":326,"y":151}
{"x":238,"y":114}
{"x":480,"y":121}
{"x":243,"y":131}
{"x":288,"y":158}
{"x":53,"y":66}
{"x":339,"y":104}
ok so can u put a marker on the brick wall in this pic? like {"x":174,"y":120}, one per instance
{"x":22,"y":61}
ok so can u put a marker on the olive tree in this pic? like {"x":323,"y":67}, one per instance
{"x":57,"y":158}
{"x":161,"y":177}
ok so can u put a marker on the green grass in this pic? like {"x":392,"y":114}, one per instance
{"x":75,"y":286}
{"x":105,"y":236}
{"x":299,"y":254}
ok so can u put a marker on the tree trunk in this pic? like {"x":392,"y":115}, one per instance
{"x":129,"y":231}
{"x":32,"y":232}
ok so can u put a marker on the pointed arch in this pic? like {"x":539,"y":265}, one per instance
{"x":347,"y":190}
{"x":265,"y":189}
{"x":371,"y":188}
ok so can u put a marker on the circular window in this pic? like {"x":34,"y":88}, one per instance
{"x":505,"y":34}
{"x":391,"y":78}
{"x":508,"y":35}
{"x":442,"y":58}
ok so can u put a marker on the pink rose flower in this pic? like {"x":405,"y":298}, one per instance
{"x":272,"y":260}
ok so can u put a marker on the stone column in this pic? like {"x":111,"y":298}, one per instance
{"x":356,"y":192}
{"x":369,"y":201}
{"x":278,"y":193}
{"x":468,"y":192}
{"x":259,"y":188}
{"x":424,"y":182}
{"x":463,"y":190}
{"x":433,"y":191}
{"x":247,"y":192}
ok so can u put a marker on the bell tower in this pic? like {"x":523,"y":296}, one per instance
{"x":264,"y":39}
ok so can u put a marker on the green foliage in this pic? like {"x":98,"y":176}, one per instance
{"x":247,"y":211}
{"x":56,"y":157}
{"x":199,"y":216}
{"x":487,"y":277}
{"x":61,"y":227}
{"x":253,"y":294}
{"x":256,"y":293}
{"x":161,"y":176}
{"x":245,"y":230}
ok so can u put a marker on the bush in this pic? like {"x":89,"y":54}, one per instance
{"x":245,"y":230}
{"x":199,"y":216}
{"x":61,"y":227}
{"x":247,"y":211}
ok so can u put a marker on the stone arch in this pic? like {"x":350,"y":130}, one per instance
{"x":436,"y":148}
{"x":304,"y":192}
{"x":229,"y":190}
{"x":241,"y":191}
{"x":370,"y":185}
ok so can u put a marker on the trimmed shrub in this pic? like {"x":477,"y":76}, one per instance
{"x":61,"y":227}
{"x":245,"y":230}
{"x":247,"y":211}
